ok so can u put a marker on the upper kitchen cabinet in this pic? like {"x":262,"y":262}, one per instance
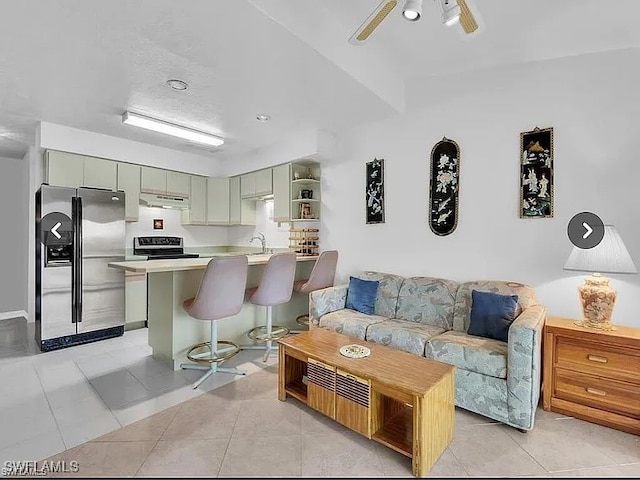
{"x":264,"y":182}
{"x":248,"y":185}
{"x":129,"y":182}
{"x":241,"y":211}
{"x":234,"y":201}
{"x":177,"y":184}
{"x":64,"y":169}
{"x":100,"y":173}
{"x":153,"y":180}
{"x":72,"y":170}
{"x":218,"y":201}
{"x":282,"y":193}
{"x":256,"y":184}
{"x":197,"y":212}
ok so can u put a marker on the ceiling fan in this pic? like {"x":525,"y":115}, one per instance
{"x":453,"y":11}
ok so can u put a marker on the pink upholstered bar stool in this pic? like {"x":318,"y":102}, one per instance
{"x":220,"y":295}
{"x":275,"y":288}
{"x":322,"y":276}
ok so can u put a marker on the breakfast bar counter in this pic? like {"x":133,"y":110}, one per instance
{"x":170,"y":282}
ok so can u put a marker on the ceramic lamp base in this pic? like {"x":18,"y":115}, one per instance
{"x":598,"y":300}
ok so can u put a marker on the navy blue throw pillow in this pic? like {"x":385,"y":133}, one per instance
{"x":361,"y":295}
{"x":492,"y":314}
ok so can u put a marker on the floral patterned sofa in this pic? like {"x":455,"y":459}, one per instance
{"x":430,"y":317}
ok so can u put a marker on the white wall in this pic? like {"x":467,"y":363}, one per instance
{"x":194,"y":235}
{"x":277,"y":236}
{"x":592,"y":102}
{"x":14,"y":226}
{"x":317,"y":144}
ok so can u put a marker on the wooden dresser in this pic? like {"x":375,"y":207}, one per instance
{"x":593,"y":375}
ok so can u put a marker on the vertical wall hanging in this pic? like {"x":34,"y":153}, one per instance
{"x":375,"y":191}
{"x":536,"y":173}
{"x":444,"y":186}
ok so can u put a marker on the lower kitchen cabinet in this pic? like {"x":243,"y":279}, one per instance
{"x":136,"y":299}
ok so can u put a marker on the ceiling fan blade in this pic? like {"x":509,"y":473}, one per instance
{"x":371,"y":23}
{"x":468,"y":22}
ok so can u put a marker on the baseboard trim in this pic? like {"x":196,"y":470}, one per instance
{"x":15,"y":314}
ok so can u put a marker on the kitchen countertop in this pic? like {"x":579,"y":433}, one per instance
{"x":180,"y":264}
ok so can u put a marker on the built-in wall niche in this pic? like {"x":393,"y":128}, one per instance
{"x":305,"y":191}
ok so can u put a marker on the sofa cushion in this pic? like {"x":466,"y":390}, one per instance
{"x":476,"y":354}
{"x":427,"y":300}
{"x":492,"y":315}
{"x":361,"y":295}
{"x":349,"y":322}
{"x":387,"y":299}
{"x":402,"y":335}
{"x":462,"y":311}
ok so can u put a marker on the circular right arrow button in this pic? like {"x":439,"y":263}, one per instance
{"x":585,"y":230}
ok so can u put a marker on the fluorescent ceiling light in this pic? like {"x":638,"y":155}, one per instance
{"x":412,"y":10}
{"x":450,"y":12}
{"x":141,"y":121}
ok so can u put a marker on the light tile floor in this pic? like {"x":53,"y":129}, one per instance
{"x":241,"y":429}
{"x":53,"y":401}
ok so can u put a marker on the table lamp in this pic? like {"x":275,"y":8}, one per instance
{"x":598,"y":298}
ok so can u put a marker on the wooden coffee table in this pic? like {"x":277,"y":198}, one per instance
{"x":399,"y":399}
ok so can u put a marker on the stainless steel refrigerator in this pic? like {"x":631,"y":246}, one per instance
{"x":79,"y":299}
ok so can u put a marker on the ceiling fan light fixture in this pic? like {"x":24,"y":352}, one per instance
{"x":450,"y":12}
{"x":412,"y":10}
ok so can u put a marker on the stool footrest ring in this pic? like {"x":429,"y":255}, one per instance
{"x":260,"y":334}
{"x":222,"y":354}
{"x":302,"y":319}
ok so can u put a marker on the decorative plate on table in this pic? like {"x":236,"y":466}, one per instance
{"x":355,"y":351}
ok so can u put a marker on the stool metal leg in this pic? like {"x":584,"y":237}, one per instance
{"x":269,"y":329}
{"x":270,"y":335}
{"x":214,"y":365}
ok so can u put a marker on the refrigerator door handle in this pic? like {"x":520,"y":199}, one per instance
{"x":79,"y":258}
{"x":74,"y":261}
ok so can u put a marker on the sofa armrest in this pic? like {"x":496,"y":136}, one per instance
{"x":326,"y":300}
{"x":524,"y":362}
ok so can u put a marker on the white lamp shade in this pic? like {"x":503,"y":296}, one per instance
{"x":609,"y":256}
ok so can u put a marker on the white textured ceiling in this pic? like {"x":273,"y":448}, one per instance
{"x":82,"y":63}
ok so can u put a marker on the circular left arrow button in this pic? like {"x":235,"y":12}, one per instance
{"x":56,"y":229}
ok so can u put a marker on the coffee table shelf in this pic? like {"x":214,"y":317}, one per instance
{"x":297,"y":390}
{"x":397,"y":432}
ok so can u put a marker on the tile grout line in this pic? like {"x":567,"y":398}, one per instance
{"x":159,"y":437}
{"x":232,"y":430}
{"x":99,"y":396}
{"x":55,"y":420}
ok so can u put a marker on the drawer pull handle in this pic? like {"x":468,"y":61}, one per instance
{"x":597,"y":358}
{"x":595,"y":391}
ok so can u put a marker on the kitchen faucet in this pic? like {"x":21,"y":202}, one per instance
{"x":263,"y":241}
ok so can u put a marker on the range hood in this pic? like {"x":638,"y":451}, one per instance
{"x":164,"y":201}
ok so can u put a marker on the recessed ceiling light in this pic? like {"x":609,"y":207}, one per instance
{"x":261,"y":117}
{"x":177,"y":84}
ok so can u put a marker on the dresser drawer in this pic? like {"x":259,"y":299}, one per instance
{"x":597,"y":392}
{"x":613,"y":361}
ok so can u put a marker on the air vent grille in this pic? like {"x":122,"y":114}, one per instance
{"x":349,"y":387}
{"x":321,"y":376}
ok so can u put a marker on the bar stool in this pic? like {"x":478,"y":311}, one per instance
{"x":322,"y":276}
{"x":275,"y":288}
{"x":220,"y":295}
